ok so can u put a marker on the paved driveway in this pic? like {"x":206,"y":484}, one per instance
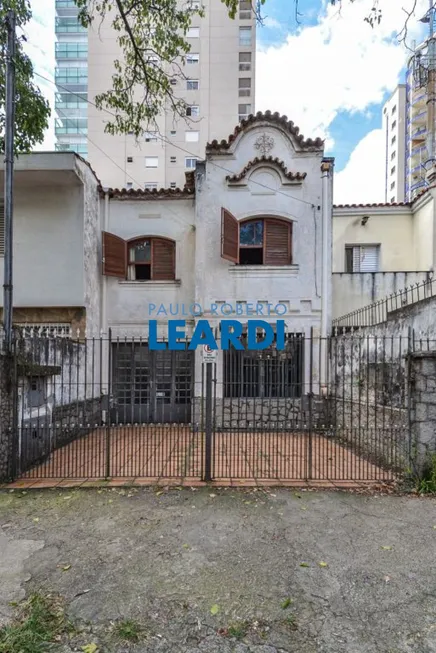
{"x":208,"y":571}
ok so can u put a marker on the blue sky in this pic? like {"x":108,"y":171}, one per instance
{"x":330,"y":74}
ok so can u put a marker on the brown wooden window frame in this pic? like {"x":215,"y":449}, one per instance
{"x":116,"y":257}
{"x":231,"y":249}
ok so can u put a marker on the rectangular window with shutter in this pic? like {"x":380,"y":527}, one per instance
{"x":2,"y":226}
{"x":362,"y":258}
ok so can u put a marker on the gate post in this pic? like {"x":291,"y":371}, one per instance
{"x":8,"y":448}
{"x":208,"y":425}
{"x":422,"y":410}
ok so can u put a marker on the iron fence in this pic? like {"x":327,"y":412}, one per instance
{"x":379,"y":311}
{"x":334,"y":409}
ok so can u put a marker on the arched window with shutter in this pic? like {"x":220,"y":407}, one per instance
{"x":145,"y":258}
{"x":256,"y":241}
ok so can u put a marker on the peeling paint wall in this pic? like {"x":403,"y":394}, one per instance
{"x":91,"y":248}
{"x":355,"y":290}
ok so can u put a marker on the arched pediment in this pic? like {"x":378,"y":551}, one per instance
{"x":267,"y":118}
{"x":263,"y":166}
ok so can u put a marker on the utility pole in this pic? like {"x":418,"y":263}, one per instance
{"x":9,"y":177}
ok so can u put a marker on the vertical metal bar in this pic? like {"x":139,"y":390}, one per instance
{"x":108,"y":426}
{"x":208,"y":452}
{"x":9,"y":178}
{"x":309,"y":442}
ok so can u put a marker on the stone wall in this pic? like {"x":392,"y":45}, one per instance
{"x":264,"y":414}
{"x":423,"y":409}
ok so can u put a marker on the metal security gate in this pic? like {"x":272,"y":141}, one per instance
{"x":320,"y":410}
{"x":151,"y":386}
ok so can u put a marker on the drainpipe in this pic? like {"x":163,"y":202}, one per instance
{"x":104,"y":284}
{"x":327,"y":206}
{"x":104,"y":329}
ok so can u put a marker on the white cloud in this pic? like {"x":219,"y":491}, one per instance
{"x":271,"y":23}
{"x":363,"y":178}
{"x":341,"y":63}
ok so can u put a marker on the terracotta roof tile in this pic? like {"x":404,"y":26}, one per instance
{"x":373,"y":205}
{"x":168,"y":193}
{"x":415,"y":199}
{"x":292,"y":176}
{"x":306,"y":144}
{"x":162,"y":193}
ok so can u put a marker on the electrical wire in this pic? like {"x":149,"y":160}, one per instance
{"x":168,"y":141}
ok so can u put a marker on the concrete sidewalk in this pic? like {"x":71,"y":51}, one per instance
{"x":226,"y":570}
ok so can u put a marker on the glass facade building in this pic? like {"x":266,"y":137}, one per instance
{"x":71,"y":79}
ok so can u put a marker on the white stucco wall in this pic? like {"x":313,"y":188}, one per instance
{"x":423,"y":232}
{"x":353,"y":291}
{"x":92,"y":281}
{"x":48,"y":241}
{"x":390,"y":227}
{"x":298,"y":285}
{"x":127,"y":301}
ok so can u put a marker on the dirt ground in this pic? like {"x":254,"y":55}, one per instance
{"x":221,"y":571}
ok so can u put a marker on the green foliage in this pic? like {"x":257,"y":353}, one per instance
{"x":40,"y":621}
{"x":238,"y":629}
{"x":427,"y":484}
{"x":128,"y":630}
{"x":31,"y":109}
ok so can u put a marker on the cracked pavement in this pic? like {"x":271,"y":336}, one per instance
{"x":226,"y":570}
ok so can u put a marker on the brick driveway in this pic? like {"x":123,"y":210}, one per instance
{"x":173,"y":454}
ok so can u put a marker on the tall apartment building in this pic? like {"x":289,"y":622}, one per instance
{"x":71,"y":78}
{"x":394,"y":127}
{"x":219,"y":91}
{"x":418,"y":122}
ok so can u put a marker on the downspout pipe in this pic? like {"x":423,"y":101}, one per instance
{"x":104,"y":328}
{"x":104,"y":279}
{"x":326,"y":215}
{"x":327,"y":209}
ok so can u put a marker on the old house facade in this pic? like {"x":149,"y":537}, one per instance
{"x":251,"y":229}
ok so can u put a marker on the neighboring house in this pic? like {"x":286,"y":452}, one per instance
{"x":56,"y":260}
{"x":56,"y":280}
{"x":380,"y":249}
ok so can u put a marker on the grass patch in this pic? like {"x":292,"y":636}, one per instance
{"x":128,"y":630}
{"x":40,"y":621}
{"x":291,"y":622}
{"x":238,"y":629}
{"x":427,"y":484}
{"x":286,"y":603}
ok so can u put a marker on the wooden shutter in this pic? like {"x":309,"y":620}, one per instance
{"x":229,"y":237}
{"x":278,"y":242}
{"x":114,"y":256}
{"x":2,"y":226}
{"x":163,"y":264}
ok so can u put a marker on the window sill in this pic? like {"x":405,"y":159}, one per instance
{"x":160,"y":284}
{"x":264,"y":270}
